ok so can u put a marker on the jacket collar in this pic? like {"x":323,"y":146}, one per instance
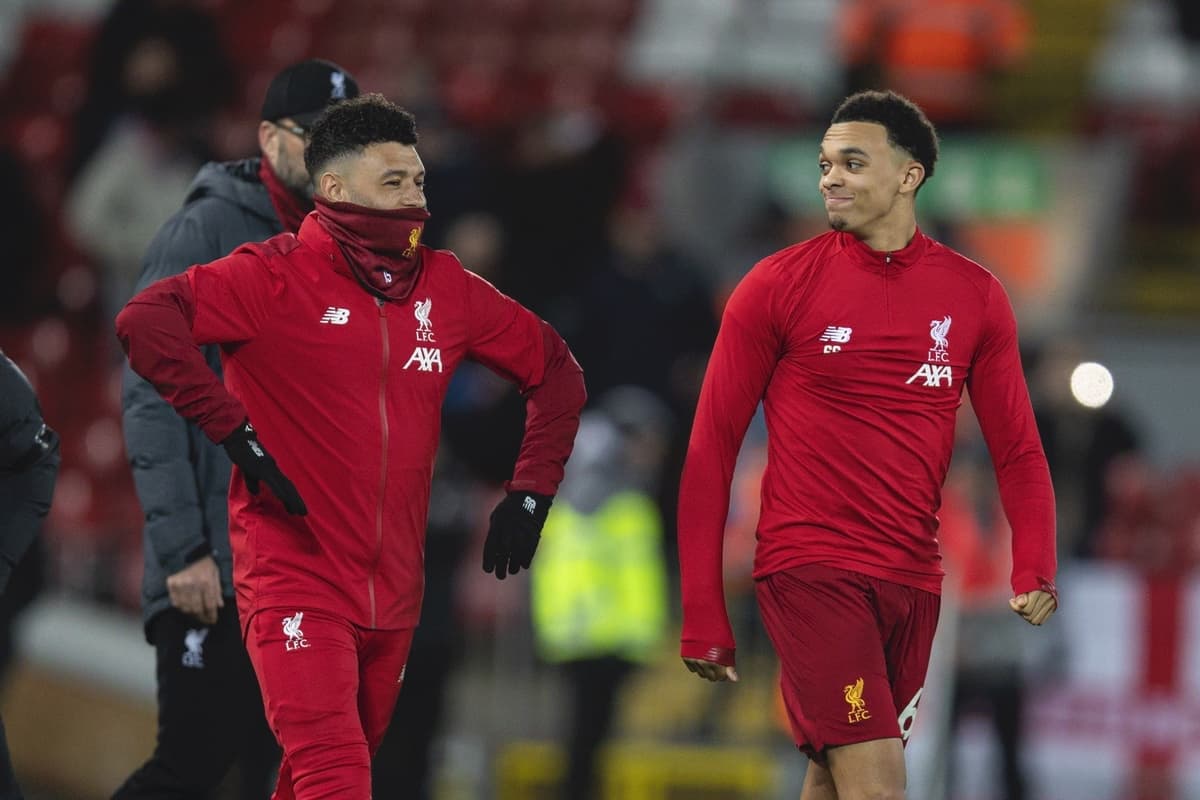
{"x":877,"y":261}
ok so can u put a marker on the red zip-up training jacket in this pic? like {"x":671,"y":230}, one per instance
{"x":346,"y":393}
{"x":859,"y":359}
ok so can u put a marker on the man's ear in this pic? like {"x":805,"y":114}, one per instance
{"x":267,"y":135}
{"x":332,"y":187}
{"x":914,"y":176}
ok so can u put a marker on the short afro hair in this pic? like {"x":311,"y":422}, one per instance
{"x":907,"y":126}
{"x":351,"y":125}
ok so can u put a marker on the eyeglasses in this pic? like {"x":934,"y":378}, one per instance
{"x":292,"y":128}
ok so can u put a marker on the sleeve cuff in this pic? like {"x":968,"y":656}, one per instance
{"x":718,"y":655}
{"x":183,"y":558}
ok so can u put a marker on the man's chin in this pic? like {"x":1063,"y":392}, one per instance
{"x":838,"y":223}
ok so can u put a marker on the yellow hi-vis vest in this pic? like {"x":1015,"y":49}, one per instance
{"x":598,"y":583}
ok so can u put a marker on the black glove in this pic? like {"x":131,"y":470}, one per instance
{"x":514,"y":532}
{"x":257,"y":465}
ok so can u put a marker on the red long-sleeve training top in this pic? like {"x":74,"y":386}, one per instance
{"x":860,"y":359}
{"x":346,"y":393}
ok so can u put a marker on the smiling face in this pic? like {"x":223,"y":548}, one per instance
{"x":384,"y":175}
{"x":868,"y":184}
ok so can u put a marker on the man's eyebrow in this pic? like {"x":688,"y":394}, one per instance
{"x":847,"y":151}
{"x":400,"y":173}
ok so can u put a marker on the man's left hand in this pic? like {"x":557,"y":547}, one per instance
{"x":1034,"y":607}
{"x":516,"y":528}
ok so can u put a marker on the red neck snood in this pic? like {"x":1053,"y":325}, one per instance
{"x":382,"y":247}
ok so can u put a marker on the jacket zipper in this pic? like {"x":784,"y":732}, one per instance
{"x":887,"y":296}
{"x":383,"y":421}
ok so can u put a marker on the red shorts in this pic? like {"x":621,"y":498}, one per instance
{"x":329,"y":688}
{"x":853,"y":651}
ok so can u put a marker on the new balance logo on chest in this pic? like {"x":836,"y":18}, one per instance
{"x":335,"y":316}
{"x":835,"y":333}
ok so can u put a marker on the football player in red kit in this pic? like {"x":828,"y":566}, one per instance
{"x":858,"y":343}
{"x":338,"y":344}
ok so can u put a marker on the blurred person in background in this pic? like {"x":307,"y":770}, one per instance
{"x":209,"y":709}
{"x":598,"y":595}
{"x":317,"y":330}
{"x":666,"y":317}
{"x":1083,"y":445}
{"x":163,"y":58}
{"x":858,"y":343}
{"x":158,"y":75}
{"x":28,"y":468}
{"x":943,"y":54}
{"x":23,"y":231}
{"x":559,"y":178}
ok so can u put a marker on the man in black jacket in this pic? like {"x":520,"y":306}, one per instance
{"x":28,"y":468}
{"x":209,"y":708}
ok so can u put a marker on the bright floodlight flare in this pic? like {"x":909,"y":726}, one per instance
{"x":1091,"y":384}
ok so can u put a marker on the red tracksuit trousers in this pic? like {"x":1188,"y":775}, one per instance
{"x":328,"y":689}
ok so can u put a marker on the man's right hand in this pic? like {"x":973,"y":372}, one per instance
{"x":711,"y":670}
{"x":196,"y":590}
{"x":256,"y":465}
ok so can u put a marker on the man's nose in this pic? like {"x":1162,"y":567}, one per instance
{"x":414,"y":198}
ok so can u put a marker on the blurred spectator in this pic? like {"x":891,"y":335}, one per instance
{"x":561,"y":174}
{"x":1145,"y":62}
{"x":129,"y":188}
{"x":22,"y":230}
{"x":941,"y":54}
{"x":1082,"y":444}
{"x":599,"y":591}
{"x":158,"y":76}
{"x":1153,"y":518}
{"x":647,"y":318}
{"x":159,"y":59}
{"x":1146,"y":87}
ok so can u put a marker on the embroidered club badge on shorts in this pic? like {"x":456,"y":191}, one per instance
{"x":858,"y":706}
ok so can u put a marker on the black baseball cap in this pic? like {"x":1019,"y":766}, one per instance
{"x":302,"y":91}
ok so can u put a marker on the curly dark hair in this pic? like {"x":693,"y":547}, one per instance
{"x":907,"y":126}
{"x":351,"y":125}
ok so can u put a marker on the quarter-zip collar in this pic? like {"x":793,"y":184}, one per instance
{"x":878,"y":261}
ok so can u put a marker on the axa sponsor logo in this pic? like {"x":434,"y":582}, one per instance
{"x":837,"y":334}
{"x":933,"y":374}
{"x":335,"y":316}
{"x":193,"y":642}
{"x":291,"y":627}
{"x":426,"y":358}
